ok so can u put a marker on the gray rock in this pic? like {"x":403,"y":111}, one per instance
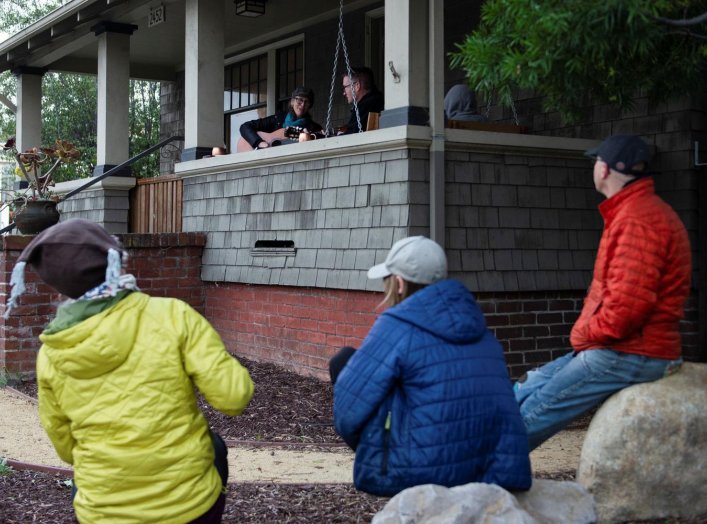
{"x":467,"y":504}
{"x":645,"y":453}
{"x":554,"y":502}
{"x":547,"y":502}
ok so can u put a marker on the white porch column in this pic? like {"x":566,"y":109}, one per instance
{"x":113,"y":140}
{"x":28,"y":127}
{"x":436,"y":97}
{"x":406,"y":46}
{"x":203,"y":77}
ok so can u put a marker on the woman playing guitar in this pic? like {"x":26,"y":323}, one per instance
{"x":260,"y":133}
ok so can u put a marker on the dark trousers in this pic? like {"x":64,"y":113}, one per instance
{"x":214,"y":514}
{"x":338,"y":361}
{"x":220,"y":454}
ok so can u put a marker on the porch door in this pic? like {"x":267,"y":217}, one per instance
{"x":375,"y":43}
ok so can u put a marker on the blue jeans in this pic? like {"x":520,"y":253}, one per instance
{"x":555,"y":394}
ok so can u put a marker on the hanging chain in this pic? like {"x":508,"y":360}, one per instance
{"x":341,"y":43}
{"x":348,"y":66}
{"x":328,"y":130}
{"x":513,"y":107}
{"x":515,"y":115}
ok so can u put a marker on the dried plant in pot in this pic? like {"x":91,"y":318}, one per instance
{"x":34,"y":208}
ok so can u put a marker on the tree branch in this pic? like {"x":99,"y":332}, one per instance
{"x":684,"y":22}
{"x":8,"y":103}
{"x":687,"y":32}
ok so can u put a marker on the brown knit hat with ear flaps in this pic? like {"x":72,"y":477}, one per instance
{"x":71,"y":256}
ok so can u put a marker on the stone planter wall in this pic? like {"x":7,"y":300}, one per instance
{"x":106,"y":202}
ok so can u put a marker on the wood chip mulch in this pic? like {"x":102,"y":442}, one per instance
{"x":27,"y":496}
{"x":286,"y":408}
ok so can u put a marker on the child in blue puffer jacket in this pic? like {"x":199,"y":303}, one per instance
{"x":427,"y":398}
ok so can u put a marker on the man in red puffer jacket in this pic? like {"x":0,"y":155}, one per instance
{"x":628,"y":331}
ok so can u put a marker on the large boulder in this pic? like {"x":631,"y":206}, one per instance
{"x":645,"y":453}
{"x":547,"y":502}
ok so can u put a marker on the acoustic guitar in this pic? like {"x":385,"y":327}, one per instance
{"x":271,"y":139}
{"x":278,"y":137}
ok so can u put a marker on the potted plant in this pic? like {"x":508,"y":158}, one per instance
{"x":34,"y":208}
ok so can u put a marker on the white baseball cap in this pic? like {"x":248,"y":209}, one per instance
{"x":416,"y":259}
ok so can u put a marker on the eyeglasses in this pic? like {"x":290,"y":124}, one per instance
{"x":300,"y":100}
{"x":346,"y":86}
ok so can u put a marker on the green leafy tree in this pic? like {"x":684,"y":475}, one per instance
{"x":17,"y":14}
{"x":574,"y":51}
{"x":144,"y":125}
{"x":7,"y":117}
{"x":69,"y":113}
{"x":14,"y":15}
{"x":69,"y":103}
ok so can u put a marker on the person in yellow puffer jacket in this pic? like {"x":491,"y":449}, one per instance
{"x":116,"y":375}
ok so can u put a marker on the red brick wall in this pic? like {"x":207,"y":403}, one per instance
{"x":165,"y":265}
{"x":168,"y":265}
{"x":301,"y":328}
{"x":18,"y":340}
{"x":533,"y":328}
{"x":298,"y":328}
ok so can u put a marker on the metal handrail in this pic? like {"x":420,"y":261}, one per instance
{"x":110,"y":172}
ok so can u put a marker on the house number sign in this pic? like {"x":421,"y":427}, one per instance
{"x":157,"y":16}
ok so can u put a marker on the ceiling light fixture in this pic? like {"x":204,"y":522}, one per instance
{"x":251,"y":8}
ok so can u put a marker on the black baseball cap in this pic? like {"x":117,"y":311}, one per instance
{"x":304,"y":92}
{"x":623,"y":153}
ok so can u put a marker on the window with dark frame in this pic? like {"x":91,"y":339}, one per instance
{"x":244,"y":95}
{"x":246,"y":87}
{"x":290,"y":73}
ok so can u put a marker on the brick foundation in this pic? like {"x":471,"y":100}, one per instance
{"x":301,"y":328}
{"x":296,"y":327}
{"x":164,"y":265}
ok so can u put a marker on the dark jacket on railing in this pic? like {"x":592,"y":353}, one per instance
{"x":371,"y":102}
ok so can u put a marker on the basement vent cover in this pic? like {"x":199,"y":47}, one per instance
{"x":273,"y":248}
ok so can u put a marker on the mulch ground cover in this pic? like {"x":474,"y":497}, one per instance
{"x":286,"y":408}
{"x":39,"y":497}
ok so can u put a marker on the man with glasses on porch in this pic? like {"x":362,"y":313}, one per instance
{"x":360,"y":87}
